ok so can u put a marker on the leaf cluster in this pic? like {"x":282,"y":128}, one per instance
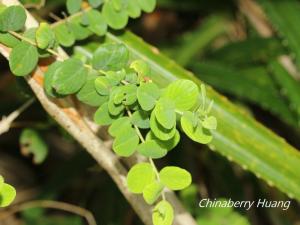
{"x":142,"y":118}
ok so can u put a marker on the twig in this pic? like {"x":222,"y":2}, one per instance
{"x":6,"y":122}
{"x":53,"y":205}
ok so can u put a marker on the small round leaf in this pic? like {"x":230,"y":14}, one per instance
{"x":70,"y":77}
{"x":192,"y":127}
{"x":165,"y":113}
{"x":45,"y":37}
{"x":126,"y":143}
{"x":97,"y":23}
{"x":184,"y":93}
{"x":23,"y":59}
{"x":175,"y":178}
{"x":119,"y":126}
{"x":140,"y":119}
{"x":159,"y":131}
{"x":151,"y":149}
{"x":139,"y":177}
{"x":115,"y":19}
{"x":163,"y":214}
{"x":12,"y":18}
{"x":110,"y":57}
{"x":152,"y":192}
{"x":103,"y":117}
{"x":7,"y":195}
{"x":147,"y":94}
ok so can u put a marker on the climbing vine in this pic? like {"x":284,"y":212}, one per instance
{"x":142,"y":118}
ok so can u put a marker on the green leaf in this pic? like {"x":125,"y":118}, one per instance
{"x":184,"y":93}
{"x":165,"y":113}
{"x":141,"y":67}
{"x":30,"y":34}
{"x":133,"y":10}
{"x":110,"y":57}
{"x":210,"y":123}
{"x":79,"y":31}
{"x":103,"y":117}
{"x":8,"y":40}
{"x":32,"y":143}
{"x":48,"y":77}
{"x":152,"y":192}
{"x":103,"y":85}
{"x":12,"y":18}
{"x":115,"y":109}
{"x":73,"y":6}
{"x":116,"y":77}
{"x":126,"y":143}
{"x":70,"y":77}
{"x":163,"y":214}
{"x":64,"y":35}
{"x":151,"y":149}
{"x":115,"y":19}
{"x":45,"y":37}
{"x":130,"y":94}
{"x":148,"y":6}
{"x":119,"y":126}
{"x":139,"y":176}
{"x":7,"y":195}
{"x":192,"y":127}
{"x":97,"y":22}
{"x":159,"y":131}
{"x":131,"y":76}
{"x":147,"y":94}
{"x":169,"y":144}
{"x":119,"y":4}
{"x":140,"y":119}
{"x":88,"y":94}
{"x":23,"y":59}
{"x":95,"y":3}
{"x":175,"y":178}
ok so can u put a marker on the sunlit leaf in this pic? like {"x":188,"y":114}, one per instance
{"x":184,"y":93}
{"x":7,"y":195}
{"x":163,"y":213}
{"x":142,"y":170}
{"x":152,"y":192}
{"x":195,"y":131}
{"x":175,"y":178}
